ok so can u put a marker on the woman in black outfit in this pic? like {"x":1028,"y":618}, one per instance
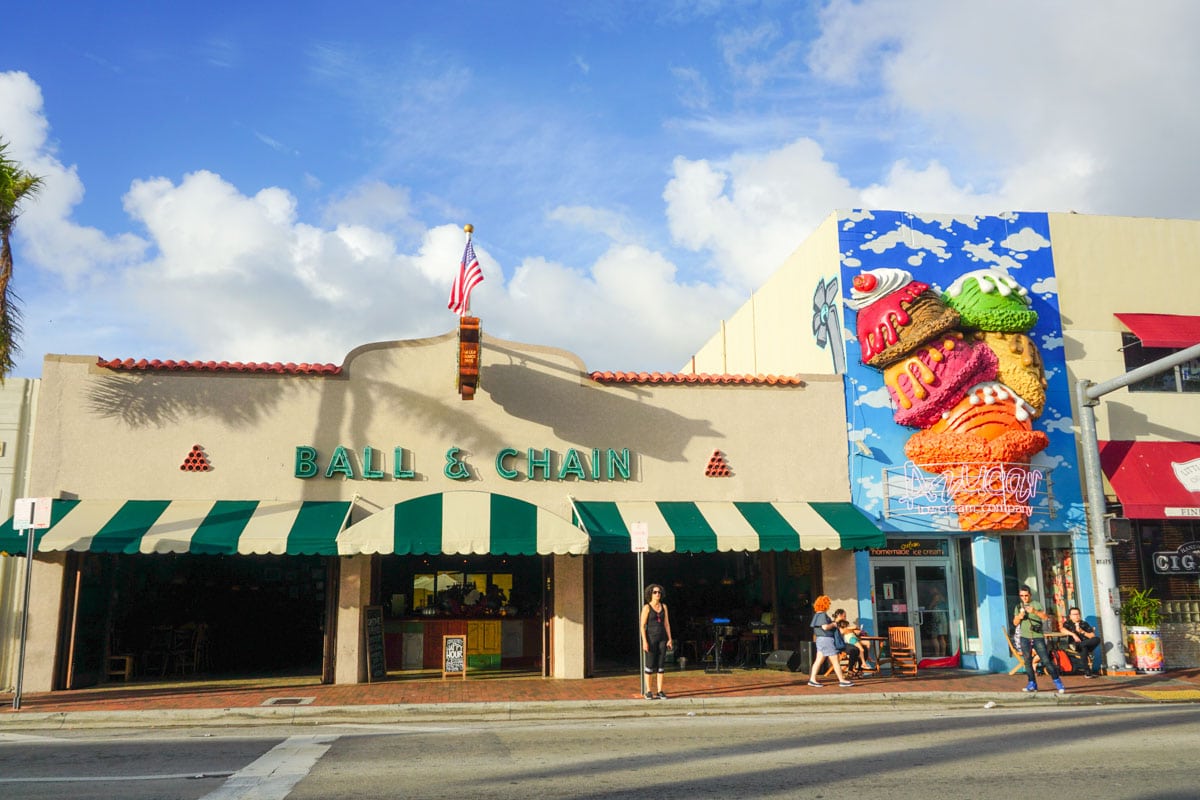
{"x":656,"y":637}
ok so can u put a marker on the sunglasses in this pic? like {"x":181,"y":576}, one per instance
{"x":655,"y":591}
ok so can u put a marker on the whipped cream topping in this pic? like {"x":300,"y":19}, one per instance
{"x":992,"y":392}
{"x":990,"y":280}
{"x":887,"y":280}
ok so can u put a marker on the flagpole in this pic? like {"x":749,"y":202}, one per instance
{"x":469,"y":229}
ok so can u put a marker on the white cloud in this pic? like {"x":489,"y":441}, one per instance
{"x":1025,"y":240}
{"x":50,"y":239}
{"x":752,"y":211}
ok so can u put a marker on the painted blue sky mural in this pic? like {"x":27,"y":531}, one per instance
{"x":1015,"y":250}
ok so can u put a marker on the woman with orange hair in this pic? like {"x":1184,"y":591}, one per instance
{"x":823,"y":626}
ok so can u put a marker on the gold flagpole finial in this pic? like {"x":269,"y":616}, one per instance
{"x":469,"y":228}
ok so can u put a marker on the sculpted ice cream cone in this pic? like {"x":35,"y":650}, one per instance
{"x":896,"y":315}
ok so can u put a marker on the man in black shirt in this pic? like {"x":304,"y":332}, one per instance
{"x":1085,"y":642}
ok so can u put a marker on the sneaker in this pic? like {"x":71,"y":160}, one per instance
{"x":815,"y":685}
{"x":649,"y":695}
{"x":845,"y":684}
{"x":660,"y":696}
{"x":1092,"y":675}
{"x":1030,"y":687}
{"x":1058,"y":686}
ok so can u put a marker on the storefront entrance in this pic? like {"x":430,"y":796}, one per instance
{"x":914,"y":592}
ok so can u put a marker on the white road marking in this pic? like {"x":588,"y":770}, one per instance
{"x":274,"y":774}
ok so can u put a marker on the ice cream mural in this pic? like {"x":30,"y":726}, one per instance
{"x":959,"y":418}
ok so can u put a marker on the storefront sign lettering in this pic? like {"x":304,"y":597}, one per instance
{"x":1184,"y":560}
{"x":511,"y":464}
{"x":966,"y":488}
{"x":912,"y":549}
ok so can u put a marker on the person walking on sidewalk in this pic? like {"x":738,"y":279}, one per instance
{"x":823,"y":626}
{"x":1086,"y":643}
{"x":656,"y":637}
{"x":1029,"y":616}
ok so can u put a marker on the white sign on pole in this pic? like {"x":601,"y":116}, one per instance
{"x":32,"y":512}
{"x":639,"y":537}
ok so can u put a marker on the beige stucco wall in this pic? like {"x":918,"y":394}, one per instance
{"x":771,"y":333}
{"x":1109,"y":265}
{"x":567,"y":626}
{"x":105,"y":434}
{"x":354,"y":592}
{"x":18,"y":402}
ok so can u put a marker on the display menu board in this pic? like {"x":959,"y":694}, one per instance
{"x":454,"y":655}
{"x":373,"y":633}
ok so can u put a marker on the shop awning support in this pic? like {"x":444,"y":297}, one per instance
{"x":1088,"y":396}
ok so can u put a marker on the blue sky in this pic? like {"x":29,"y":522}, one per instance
{"x":285,"y":181}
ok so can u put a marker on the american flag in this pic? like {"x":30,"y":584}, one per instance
{"x":469,"y":276}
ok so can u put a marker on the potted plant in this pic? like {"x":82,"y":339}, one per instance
{"x":1141,"y":615}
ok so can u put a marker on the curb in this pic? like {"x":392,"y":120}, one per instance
{"x":445,"y":713}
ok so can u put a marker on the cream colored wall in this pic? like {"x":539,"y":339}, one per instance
{"x":354,"y":593}
{"x":1109,"y":265}
{"x":772,"y":332}
{"x":18,"y":402}
{"x":104,"y":434}
{"x":567,"y":626}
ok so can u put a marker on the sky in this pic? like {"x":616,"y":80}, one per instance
{"x":286,"y":181}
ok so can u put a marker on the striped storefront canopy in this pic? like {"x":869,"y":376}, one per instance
{"x":707,"y":527}
{"x":221,"y":527}
{"x":461,"y":523}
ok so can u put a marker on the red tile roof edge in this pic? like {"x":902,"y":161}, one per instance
{"x":142,"y":365}
{"x":693,"y":378}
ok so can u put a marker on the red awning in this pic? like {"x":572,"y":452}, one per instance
{"x":1176,"y":331}
{"x":1154,"y":480}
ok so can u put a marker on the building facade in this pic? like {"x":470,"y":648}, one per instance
{"x":1068,"y":296}
{"x":341,"y":519}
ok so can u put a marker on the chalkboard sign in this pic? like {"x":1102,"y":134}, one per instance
{"x":373,"y":632}
{"x":454,"y":655}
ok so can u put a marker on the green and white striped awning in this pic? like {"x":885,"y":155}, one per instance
{"x":461,"y":523}
{"x":707,"y":527}
{"x":220,"y":527}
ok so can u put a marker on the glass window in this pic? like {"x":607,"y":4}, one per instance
{"x":1043,"y":563}
{"x":1184,"y":377}
{"x":966,"y":577}
{"x":423,"y":590}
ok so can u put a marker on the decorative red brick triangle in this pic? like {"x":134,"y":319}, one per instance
{"x":196,"y":461}
{"x":717,"y":467}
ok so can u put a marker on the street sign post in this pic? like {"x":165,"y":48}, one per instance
{"x":29,"y":514}
{"x":639,"y":542}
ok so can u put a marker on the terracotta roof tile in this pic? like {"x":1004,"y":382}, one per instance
{"x":170,"y":365}
{"x":688,"y":377}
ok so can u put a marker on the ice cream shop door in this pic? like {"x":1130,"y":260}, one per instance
{"x":914,"y":593}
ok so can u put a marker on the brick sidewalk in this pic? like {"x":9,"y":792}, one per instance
{"x":1174,"y":685}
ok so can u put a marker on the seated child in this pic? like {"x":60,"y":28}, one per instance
{"x":856,"y":651}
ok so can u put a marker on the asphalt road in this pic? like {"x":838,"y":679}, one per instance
{"x":1134,"y":752}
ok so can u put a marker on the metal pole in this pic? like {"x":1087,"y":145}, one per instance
{"x":1088,"y":397}
{"x":641,"y":575}
{"x":1107,"y":595}
{"x":24,"y":618}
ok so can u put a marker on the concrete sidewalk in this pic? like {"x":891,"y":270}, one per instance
{"x":426,"y":697}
